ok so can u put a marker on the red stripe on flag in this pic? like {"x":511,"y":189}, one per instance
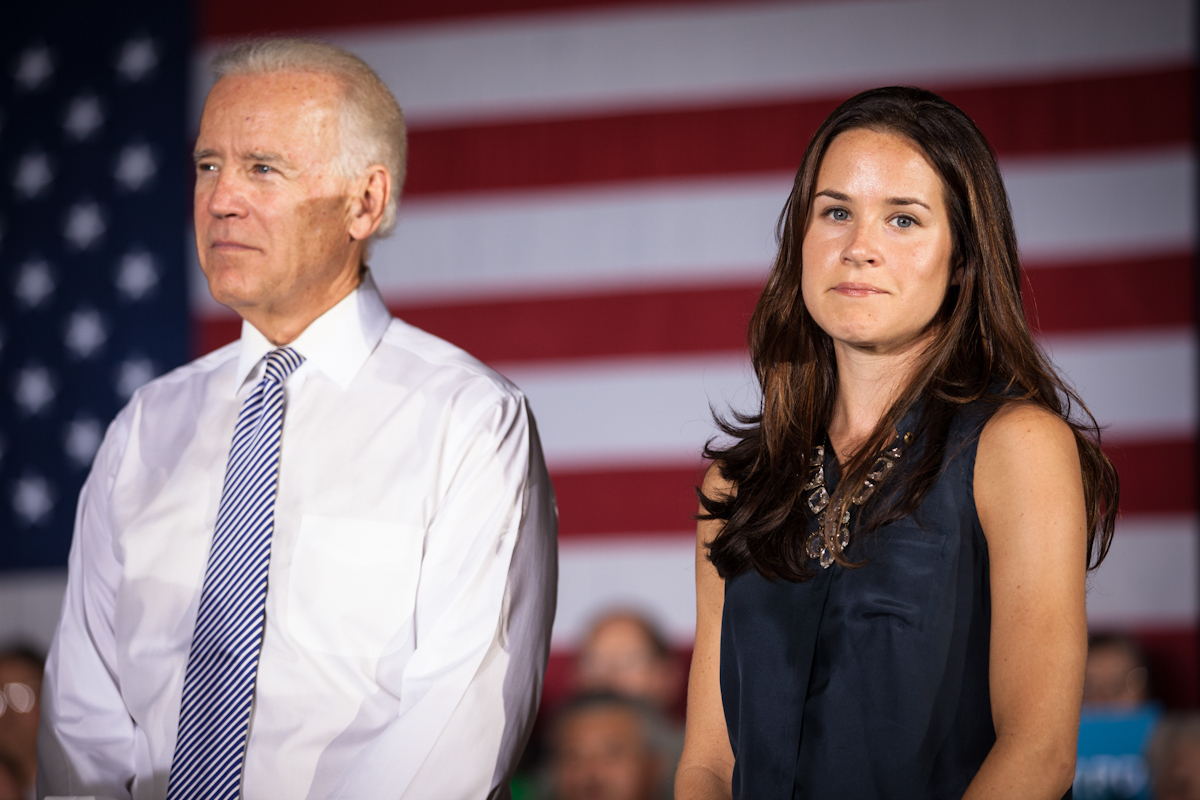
{"x":560,"y":681}
{"x":1173,"y":659}
{"x":693,"y":320}
{"x":1173,"y":656}
{"x":1115,"y":295}
{"x":1156,"y":477}
{"x":626,"y":501}
{"x":1039,"y":117}
{"x":224,"y":18}
{"x":1097,"y":296}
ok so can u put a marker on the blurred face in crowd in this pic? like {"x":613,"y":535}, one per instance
{"x":620,"y":657}
{"x":602,"y":754}
{"x":20,"y":709}
{"x":1114,"y":677}
{"x":279,"y":226}
{"x":1180,"y":775}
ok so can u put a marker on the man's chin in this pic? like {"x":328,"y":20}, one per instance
{"x":235,"y":298}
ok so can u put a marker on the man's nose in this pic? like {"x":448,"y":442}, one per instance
{"x":225,"y":196}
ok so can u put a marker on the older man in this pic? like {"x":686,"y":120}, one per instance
{"x":319,"y":562}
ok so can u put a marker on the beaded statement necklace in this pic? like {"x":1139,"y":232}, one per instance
{"x":830,"y":540}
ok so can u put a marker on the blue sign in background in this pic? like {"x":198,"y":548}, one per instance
{"x":1111,"y":764}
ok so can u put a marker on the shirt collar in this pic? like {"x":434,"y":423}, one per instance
{"x":337,"y":343}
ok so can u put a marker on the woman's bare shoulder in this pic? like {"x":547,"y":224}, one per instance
{"x":1027,"y":476}
{"x":1024,"y":429}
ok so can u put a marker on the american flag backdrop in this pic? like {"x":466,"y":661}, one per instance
{"x":93,"y":200}
{"x":590,"y":208}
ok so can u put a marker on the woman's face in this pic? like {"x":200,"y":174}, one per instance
{"x":876,"y":257}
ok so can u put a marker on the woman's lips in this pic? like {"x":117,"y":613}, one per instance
{"x":857,"y":289}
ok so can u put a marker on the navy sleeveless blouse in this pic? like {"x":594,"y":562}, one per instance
{"x":869,"y":682}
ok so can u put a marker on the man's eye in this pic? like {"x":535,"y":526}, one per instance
{"x":206,"y":167}
{"x":261,"y":169}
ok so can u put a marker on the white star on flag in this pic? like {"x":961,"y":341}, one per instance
{"x":34,"y":67}
{"x":33,"y":175}
{"x":35,"y":389}
{"x":132,"y":375}
{"x":86,"y":332}
{"x":135,"y":166}
{"x":84,"y":116}
{"x":33,"y":499}
{"x":84,"y":225}
{"x":137,"y":275}
{"x":35,"y":282}
{"x":138,"y":58}
{"x":82,"y":440}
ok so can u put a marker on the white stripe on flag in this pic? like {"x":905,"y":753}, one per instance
{"x":1141,"y":383}
{"x":1149,"y":577}
{"x":654,"y":410}
{"x":652,"y":574}
{"x":557,"y":63}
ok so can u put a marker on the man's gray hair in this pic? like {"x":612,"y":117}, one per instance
{"x":371,"y":125}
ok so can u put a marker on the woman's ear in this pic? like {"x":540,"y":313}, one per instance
{"x":956,"y":271}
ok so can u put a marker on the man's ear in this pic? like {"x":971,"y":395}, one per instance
{"x":370,"y":200}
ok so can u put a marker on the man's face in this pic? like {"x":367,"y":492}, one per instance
{"x":601,"y":754}
{"x":272,"y":207}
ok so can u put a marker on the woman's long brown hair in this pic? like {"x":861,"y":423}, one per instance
{"x":981,"y":348}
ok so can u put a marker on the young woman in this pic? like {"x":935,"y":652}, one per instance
{"x":891,"y":554}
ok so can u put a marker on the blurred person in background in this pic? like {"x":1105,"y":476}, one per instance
{"x":10,"y":782}
{"x":1116,"y":722}
{"x":625,"y":652}
{"x":608,"y":746}
{"x":1116,"y":676}
{"x":1174,"y":756}
{"x":20,"y":709}
{"x":892,"y":552}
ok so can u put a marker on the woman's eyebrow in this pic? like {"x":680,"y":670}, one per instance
{"x":908,"y":201}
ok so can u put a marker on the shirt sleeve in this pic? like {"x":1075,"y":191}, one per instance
{"x":86,"y":737}
{"x":484,"y":611}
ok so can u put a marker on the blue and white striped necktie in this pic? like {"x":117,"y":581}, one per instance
{"x":214,"y":720}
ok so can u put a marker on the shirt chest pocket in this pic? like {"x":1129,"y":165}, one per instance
{"x":904,"y":568}
{"x":353,"y":585}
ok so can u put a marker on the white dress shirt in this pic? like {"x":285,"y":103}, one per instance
{"x":411,"y":587}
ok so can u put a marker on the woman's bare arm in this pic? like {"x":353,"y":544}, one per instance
{"x":1029,"y":495}
{"x":706,"y":767}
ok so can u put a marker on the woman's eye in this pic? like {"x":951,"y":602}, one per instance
{"x":905,"y":222}
{"x":839,"y":214}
